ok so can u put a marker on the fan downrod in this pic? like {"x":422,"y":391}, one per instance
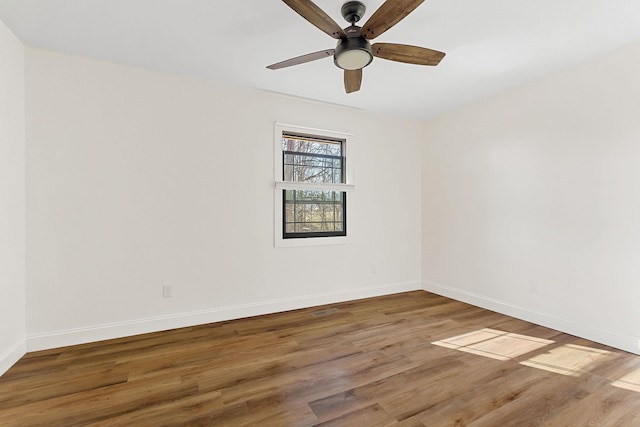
{"x":352,"y":11}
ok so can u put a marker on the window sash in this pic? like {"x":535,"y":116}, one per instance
{"x":342,"y":221}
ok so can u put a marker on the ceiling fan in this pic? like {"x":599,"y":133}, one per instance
{"x":354,"y":52}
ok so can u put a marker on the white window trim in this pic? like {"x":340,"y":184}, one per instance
{"x":279,"y":185}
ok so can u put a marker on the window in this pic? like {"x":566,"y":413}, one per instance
{"x":312,"y":182}
{"x":309,"y":212}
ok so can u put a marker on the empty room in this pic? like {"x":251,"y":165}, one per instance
{"x":297,"y":213}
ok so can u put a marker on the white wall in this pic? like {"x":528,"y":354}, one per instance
{"x":136,"y":178}
{"x":542,"y":184}
{"x":12,"y":200}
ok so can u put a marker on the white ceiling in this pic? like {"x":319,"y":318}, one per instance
{"x":490,"y":44}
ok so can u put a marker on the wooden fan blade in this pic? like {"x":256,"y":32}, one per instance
{"x":407,"y":54}
{"x":389,"y":14}
{"x":312,"y":13}
{"x":302,"y":59}
{"x":352,"y":80}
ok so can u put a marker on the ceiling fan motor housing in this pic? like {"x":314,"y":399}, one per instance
{"x":353,"y":11}
{"x":354,"y":52}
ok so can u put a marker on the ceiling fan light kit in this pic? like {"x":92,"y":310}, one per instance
{"x":353,"y":51}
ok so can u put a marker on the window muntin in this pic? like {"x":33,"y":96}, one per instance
{"x":311,"y":212}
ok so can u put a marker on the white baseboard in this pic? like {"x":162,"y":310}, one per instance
{"x":613,"y":339}
{"x":11,"y":356}
{"x":83,"y":335}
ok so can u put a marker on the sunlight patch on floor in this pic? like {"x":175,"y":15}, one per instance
{"x":493,"y":343}
{"x":569,"y":359}
{"x":631,"y":381}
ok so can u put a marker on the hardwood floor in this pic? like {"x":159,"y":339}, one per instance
{"x":410,"y":359}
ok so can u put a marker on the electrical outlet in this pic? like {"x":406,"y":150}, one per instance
{"x":373,"y":269}
{"x":534,"y":288}
{"x":167,"y":290}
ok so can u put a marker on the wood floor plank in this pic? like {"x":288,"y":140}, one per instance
{"x":608,"y":408}
{"x":383,"y":390}
{"x":46,"y":385}
{"x":412,"y":359}
{"x":96,"y":404}
{"x":182,"y":411}
{"x":370,"y":416}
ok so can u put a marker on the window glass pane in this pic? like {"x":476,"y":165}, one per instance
{"x":328,"y":212}
{"x":289,"y":213}
{"x":337,"y":176}
{"x":311,"y":213}
{"x":313,"y":174}
{"x":288,"y":173}
{"x":314,"y":170}
{"x":300,"y":213}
